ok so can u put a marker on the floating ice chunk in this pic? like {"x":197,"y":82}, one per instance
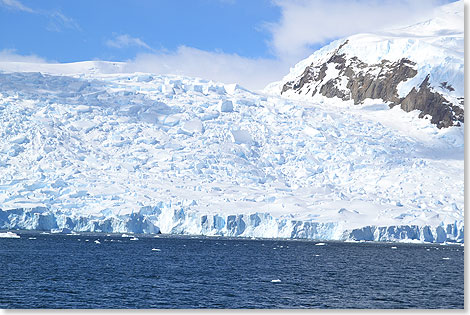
{"x":97,"y":242}
{"x":156,"y":249}
{"x":276,"y":280}
{"x":226,"y":106}
{"x":445,"y":258}
{"x":9,"y":235}
{"x":241,"y":136}
{"x":393,"y":247}
{"x":31,"y":238}
{"x":125,"y":235}
{"x":134,"y":239}
{"x":316,"y":255}
{"x":320,"y":244}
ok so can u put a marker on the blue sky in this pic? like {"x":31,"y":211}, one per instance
{"x":249,"y":41}
{"x":68,"y":31}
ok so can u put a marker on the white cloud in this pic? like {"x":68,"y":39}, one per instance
{"x":125,"y":40}
{"x":305,"y":23}
{"x":228,"y":68}
{"x":10,"y":55}
{"x":57,"y":20}
{"x":16,"y":5}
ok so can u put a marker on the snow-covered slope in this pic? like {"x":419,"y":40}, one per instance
{"x":147,"y":154}
{"x":419,"y":67}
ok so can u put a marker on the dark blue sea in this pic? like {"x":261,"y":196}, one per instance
{"x":72,"y":271}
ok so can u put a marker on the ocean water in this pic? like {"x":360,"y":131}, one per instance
{"x":63,"y":271}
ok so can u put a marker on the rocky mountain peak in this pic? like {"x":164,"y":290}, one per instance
{"x":399,"y":67}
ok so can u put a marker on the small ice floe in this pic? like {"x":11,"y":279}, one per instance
{"x":462,"y":244}
{"x":316,"y":255}
{"x":9,"y":235}
{"x":393,"y":247}
{"x":31,"y":238}
{"x":445,"y":258}
{"x":156,"y":249}
{"x":97,"y":242}
{"x":87,"y":240}
{"x":320,"y":244}
{"x":125,"y":235}
{"x":428,"y":249}
{"x":276,"y":280}
{"x":134,"y":239}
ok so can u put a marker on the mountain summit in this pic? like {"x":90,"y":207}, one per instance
{"x":418,"y":67}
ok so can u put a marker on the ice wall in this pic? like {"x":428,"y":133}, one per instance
{"x":161,"y":219}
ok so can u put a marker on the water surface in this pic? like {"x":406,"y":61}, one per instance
{"x":63,"y":271}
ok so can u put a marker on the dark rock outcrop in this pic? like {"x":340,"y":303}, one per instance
{"x":357,"y":81}
{"x":444,"y":114}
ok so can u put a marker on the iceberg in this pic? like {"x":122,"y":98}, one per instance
{"x":9,"y":235}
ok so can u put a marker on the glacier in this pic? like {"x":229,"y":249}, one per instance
{"x":85,"y":147}
{"x":144,"y":153}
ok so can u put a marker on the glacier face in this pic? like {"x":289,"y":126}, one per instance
{"x":261,"y":225}
{"x":146,"y":154}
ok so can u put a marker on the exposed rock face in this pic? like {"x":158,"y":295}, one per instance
{"x":349,"y":78}
{"x":444,"y":114}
